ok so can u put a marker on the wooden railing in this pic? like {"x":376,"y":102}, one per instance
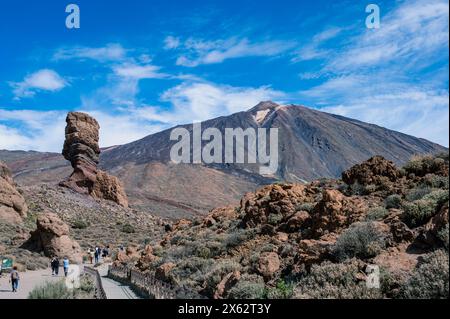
{"x":147,"y":284}
{"x":99,"y":291}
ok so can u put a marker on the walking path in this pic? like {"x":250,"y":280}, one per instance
{"x":114,"y":289}
{"x":31,"y":279}
{"x":28,"y":280}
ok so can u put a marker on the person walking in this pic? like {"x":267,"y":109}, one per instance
{"x":56,"y":265}
{"x":96,"y":255}
{"x":66,"y":266}
{"x":53,"y":265}
{"x":15,"y":277}
{"x":91,"y":255}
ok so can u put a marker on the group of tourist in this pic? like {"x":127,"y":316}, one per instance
{"x":97,"y":253}
{"x":54,"y":264}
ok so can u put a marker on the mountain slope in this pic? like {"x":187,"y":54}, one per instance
{"x":312,"y":144}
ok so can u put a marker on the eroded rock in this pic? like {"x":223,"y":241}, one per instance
{"x":81,"y":148}
{"x":13,"y":207}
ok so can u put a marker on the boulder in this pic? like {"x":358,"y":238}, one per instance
{"x":377,"y":170}
{"x":278,"y":200}
{"x":269,"y":264}
{"x":226,"y":284}
{"x":335,"y":211}
{"x":163,"y":271}
{"x":81,"y":148}
{"x":13,"y":207}
{"x":52,"y":237}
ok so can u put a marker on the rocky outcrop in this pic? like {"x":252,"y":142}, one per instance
{"x":375,"y":170}
{"x":163,"y":271}
{"x":336,"y":211}
{"x":81,"y":148}
{"x":12,"y":204}
{"x":279,"y":202}
{"x":226,"y":284}
{"x":269,"y":263}
{"x":52,"y":237}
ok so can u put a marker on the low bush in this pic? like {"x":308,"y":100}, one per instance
{"x":249,"y":287}
{"x":430,"y":279}
{"x":282,"y":290}
{"x":417,"y":193}
{"x":393,"y":201}
{"x":420,"y":211}
{"x":334,"y":281}
{"x":128,"y":229}
{"x":50,"y":290}
{"x":377,"y":213}
{"x":362,"y":240}
{"x":80,"y":224}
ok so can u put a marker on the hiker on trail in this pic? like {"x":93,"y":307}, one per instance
{"x":55,"y":265}
{"x":96,"y":255}
{"x":14,"y":279}
{"x":91,"y":255}
{"x":66,"y":266}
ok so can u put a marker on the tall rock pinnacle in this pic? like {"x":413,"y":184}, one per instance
{"x":82,"y":150}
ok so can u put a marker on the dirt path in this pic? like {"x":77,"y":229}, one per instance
{"x":28,"y":280}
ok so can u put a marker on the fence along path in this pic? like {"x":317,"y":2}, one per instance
{"x":147,"y":284}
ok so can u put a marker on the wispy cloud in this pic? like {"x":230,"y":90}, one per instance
{"x":314,"y":49}
{"x":110,"y":52}
{"x":196,"y":51}
{"x":42,"y":80}
{"x":171,"y":42}
{"x":136,"y":71}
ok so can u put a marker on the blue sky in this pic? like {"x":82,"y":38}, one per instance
{"x":142,"y":66}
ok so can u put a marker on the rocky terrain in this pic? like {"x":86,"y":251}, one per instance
{"x":312,"y":144}
{"x":316,"y":240}
{"x":12,"y":204}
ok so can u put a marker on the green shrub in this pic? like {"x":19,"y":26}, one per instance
{"x":282,"y":290}
{"x":80,"y":224}
{"x":437,"y":181}
{"x":336,"y":281}
{"x":237,"y":237}
{"x":362,"y":240}
{"x":357,"y":189}
{"x":422,"y":165}
{"x":87,"y":284}
{"x":377,"y":213}
{"x":274,"y":219}
{"x":393,"y":201}
{"x":249,"y":287}
{"x":50,"y":290}
{"x":417,"y":193}
{"x":128,"y":229}
{"x":420,"y":211}
{"x":307,"y":207}
{"x":443,"y":236}
{"x":430,"y":279}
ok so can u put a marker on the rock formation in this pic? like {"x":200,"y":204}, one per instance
{"x":375,"y":170}
{"x":52,"y":237}
{"x":82,"y":150}
{"x":12,"y":204}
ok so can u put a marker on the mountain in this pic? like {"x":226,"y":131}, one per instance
{"x":312,"y":144}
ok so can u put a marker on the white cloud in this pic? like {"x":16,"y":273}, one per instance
{"x":418,"y":113}
{"x":171,"y":42}
{"x":110,"y":52}
{"x":200,"y":101}
{"x":138,"y":72}
{"x":211,"y":52}
{"x":42,"y":80}
{"x":410,"y":33}
{"x":313,"y":49}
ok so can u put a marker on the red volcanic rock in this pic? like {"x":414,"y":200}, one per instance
{"x":52,"y":237}
{"x":12,"y":204}
{"x":376,"y":170}
{"x":82,"y":150}
{"x":269,"y":264}
{"x":336,"y":211}
{"x":226,"y":284}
